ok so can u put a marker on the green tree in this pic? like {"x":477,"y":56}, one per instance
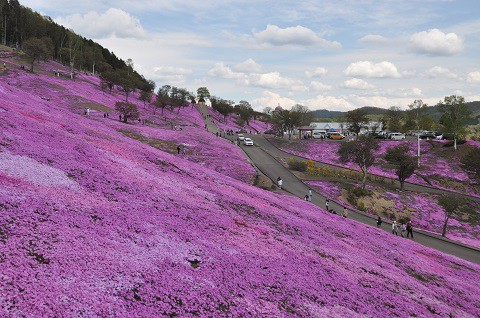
{"x":301,"y":115}
{"x":203,"y":93}
{"x":359,"y":152}
{"x":452,"y":204}
{"x":145,"y":97}
{"x":356,"y":120}
{"x":404,"y":162}
{"x":455,"y":116}
{"x":395,"y":119}
{"x":128,"y":110}
{"x":163,"y":97}
{"x":245,"y":111}
{"x":414,"y":115}
{"x":36,"y":49}
{"x":470,"y":162}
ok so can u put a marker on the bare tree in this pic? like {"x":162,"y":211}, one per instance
{"x":452,"y":204}
{"x":359,"y":152}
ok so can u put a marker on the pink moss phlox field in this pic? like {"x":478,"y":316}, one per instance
{"x":431,"y":166}
{"x":97,"y":224}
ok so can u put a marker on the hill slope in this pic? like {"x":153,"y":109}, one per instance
{"x":94,"y":223}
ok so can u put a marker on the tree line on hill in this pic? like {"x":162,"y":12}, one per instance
{"x":42,"y":38}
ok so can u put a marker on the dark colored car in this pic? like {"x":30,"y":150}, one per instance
{"x":427,"y":134}
{"x":242,"y":131}
{"x":270,"y":132}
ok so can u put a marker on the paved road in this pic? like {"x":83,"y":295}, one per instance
{"x":261,"y":156}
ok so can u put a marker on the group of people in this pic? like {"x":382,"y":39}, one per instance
{"x":181,"y":148}
{"x":106,"y":115}
{"x":404,"y":227}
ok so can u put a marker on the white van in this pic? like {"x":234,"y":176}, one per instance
{"x":318,"y":134}
{"x":397,"y":136}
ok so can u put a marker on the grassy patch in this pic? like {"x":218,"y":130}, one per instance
{"x":167,"y":146}
{"x":95,"y":106}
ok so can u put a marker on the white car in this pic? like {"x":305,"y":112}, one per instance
{"x":397,"y":136}
{"x":241,"y":137}
{"x":248,"y":142}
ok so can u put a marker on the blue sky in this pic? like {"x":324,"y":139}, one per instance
{"x":330,"y":54}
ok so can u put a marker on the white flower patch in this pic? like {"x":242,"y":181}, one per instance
{"x":30,"y":170}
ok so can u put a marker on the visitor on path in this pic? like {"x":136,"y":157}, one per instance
{"x":279,"y":182}
{"x":403,"y":228}
{"x":310,"y":194}
{"x":394,"y":227}
{"x":345,"y":212}
{"x":178,"y":150}
{"x":88,"y":111}
{"x":409,"y":229}
{"x":379,"y":221}
{"x":327,"y":203}
{"x":306,"y":197}
{"x":120,"y":117}
{"x":184,"y":150}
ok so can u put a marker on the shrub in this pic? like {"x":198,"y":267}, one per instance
{"x":450,"y":143}
{"x":361,"y":206}
{"x":297,"y":165}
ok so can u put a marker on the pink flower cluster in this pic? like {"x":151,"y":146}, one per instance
{"x":121,"y":229}
{"x":430,"y":166}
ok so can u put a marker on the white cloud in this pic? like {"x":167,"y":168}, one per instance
{"x":356,"y":83}
{"x":404,"y":92}
{"x":291,"y":36}
{"x":375,"y":101}
{"x":374,"y":39}
{"x":438,"y":71}
{"x":272,"y":80}
{"x":317,"y":72}
{"x":435,"y":42}
{"x":248,"y":66}
{"x":370,"y":69}
{"x":112,"y":23}
{"x":272,"y":100}
{"x":318,"y":86}
{"x":328,"y":102}
{"x":473,"y":77}
{"x":222,"y":71}
{"x":169,"y":74}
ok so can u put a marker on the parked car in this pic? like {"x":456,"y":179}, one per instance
{"x":241,"y":131}
{"x":248,"y":142}
{"x":397,"y":136}
{"x":318,"y":135}
{"x":241,"y":137}
{"x":381,"y":135}
{"x":335,"y":135}
{"x":270,"y":132}
{"x":427,"y":134}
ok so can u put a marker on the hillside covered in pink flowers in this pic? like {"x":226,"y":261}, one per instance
{"x":104,"y":219}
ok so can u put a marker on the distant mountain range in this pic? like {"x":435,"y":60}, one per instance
{"x":432,"y":111}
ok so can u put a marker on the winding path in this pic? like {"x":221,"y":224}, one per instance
{"x":264,"y":156}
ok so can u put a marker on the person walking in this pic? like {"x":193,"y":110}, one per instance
{"x":345,"y":212}
{"x":409,"y":229}
{"x":327,"y":203}
{"x":178,"y":150}
{"x":379,"y":221}
{"x":279,"y":182}
{"x":310,"y":194}
{"x":394,"y":227}
{"x":403,"y":228}
{"x":184,"y":150}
